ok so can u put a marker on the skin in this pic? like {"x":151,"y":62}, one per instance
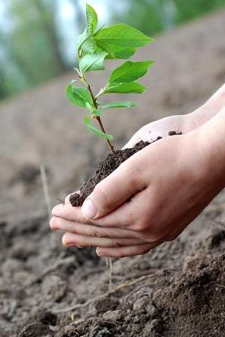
{"x":168,"y":184}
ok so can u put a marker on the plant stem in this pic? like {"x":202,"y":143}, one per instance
{"x":110,"y":146}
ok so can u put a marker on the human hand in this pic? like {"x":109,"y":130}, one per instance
{"x":122,"y":228}
{"x":167,"y":185}
{"x":180,"y":123}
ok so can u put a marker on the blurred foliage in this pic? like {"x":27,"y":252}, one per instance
{"x":153,"y":16}
{"x":33,"y":48}
{"x":188,"y":10}
{"x":143,"y":15}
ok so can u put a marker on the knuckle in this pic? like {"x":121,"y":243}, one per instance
{"x":115,"y":244}
{"x":103,"y":196}
{"x":143,"y":250}
{"x":155,"y":237}
{"x":96,"y":232}
{"x":88,"y":243}
{"x":135,"y":174}
{"x":140,"y":227}
{"x":100,"y":233}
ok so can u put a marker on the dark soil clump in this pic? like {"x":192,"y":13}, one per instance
{"x":105,"y":168}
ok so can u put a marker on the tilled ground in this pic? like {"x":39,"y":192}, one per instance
{"x":176,"y":290}
{"x":47,"y":290}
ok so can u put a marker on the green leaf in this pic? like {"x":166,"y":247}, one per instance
{"x":116,"y":52}
{"x":92,"y":19}
{"x":79,"y":96}
{"x":92,"y":62}
{"x":118,"y":105}
{"x":86,"y":43}
{"x":124,"y":88}
{"x":119,"y":53}
{"x":97,"y":31}
{"x":96,"y":113}
{"x":123,"y":35}
{"x":95,"y":130}
{"x":82,"y":38}
{"x":130,"y":71}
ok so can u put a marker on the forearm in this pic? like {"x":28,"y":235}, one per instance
{"x":212,"y":136}
{"x":207,"y":111}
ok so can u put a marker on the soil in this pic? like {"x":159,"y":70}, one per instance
{"x":107,"y":166}
{"x":104,"y":169}
{"x":176,"y":290}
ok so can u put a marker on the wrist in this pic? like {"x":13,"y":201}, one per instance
{"x":212,"y":146}
{"x":198,"y":118}
{"x":208,"y":110}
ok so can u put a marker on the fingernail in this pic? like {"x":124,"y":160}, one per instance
{"x":88,"y":209}
{"x":98,"y":252}
{"x":57,"y":209}
{"x":70,"y":244}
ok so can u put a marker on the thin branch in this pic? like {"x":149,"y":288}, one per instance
{"x":94,"y":99}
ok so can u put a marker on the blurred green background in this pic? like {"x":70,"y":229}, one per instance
{"x":38,"y":37}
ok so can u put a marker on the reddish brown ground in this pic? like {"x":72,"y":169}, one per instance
{"x":176,"y":290}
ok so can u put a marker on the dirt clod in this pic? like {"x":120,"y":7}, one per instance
{"x":105,"y":167}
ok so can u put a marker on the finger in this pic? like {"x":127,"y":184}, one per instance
{"x":68,"y":212}
{"x":91,"y":230}
{"x":126,"y":216}
{"x":80,"y":241}
{"x":126,"y":251}
{"x":114,"y":190}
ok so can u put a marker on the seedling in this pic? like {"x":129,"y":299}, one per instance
{"x":95,"y":46}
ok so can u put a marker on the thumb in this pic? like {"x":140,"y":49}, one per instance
{"x":114,"y":190}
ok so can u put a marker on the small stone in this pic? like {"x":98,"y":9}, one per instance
{"x":101,"y":333}
{"x":69,"y":331}
{"x":151,"y":310}
{"x":113,"y":315}
{"x":140,"y":303}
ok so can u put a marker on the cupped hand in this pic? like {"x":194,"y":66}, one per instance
{"x":148,"y":200}
{"x":180,"y":123}
{"x":152,"y":196}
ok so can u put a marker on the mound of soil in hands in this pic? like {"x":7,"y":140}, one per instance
{"x":105,"y":168}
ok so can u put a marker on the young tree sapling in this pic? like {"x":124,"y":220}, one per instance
{"x":95,"y":46}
